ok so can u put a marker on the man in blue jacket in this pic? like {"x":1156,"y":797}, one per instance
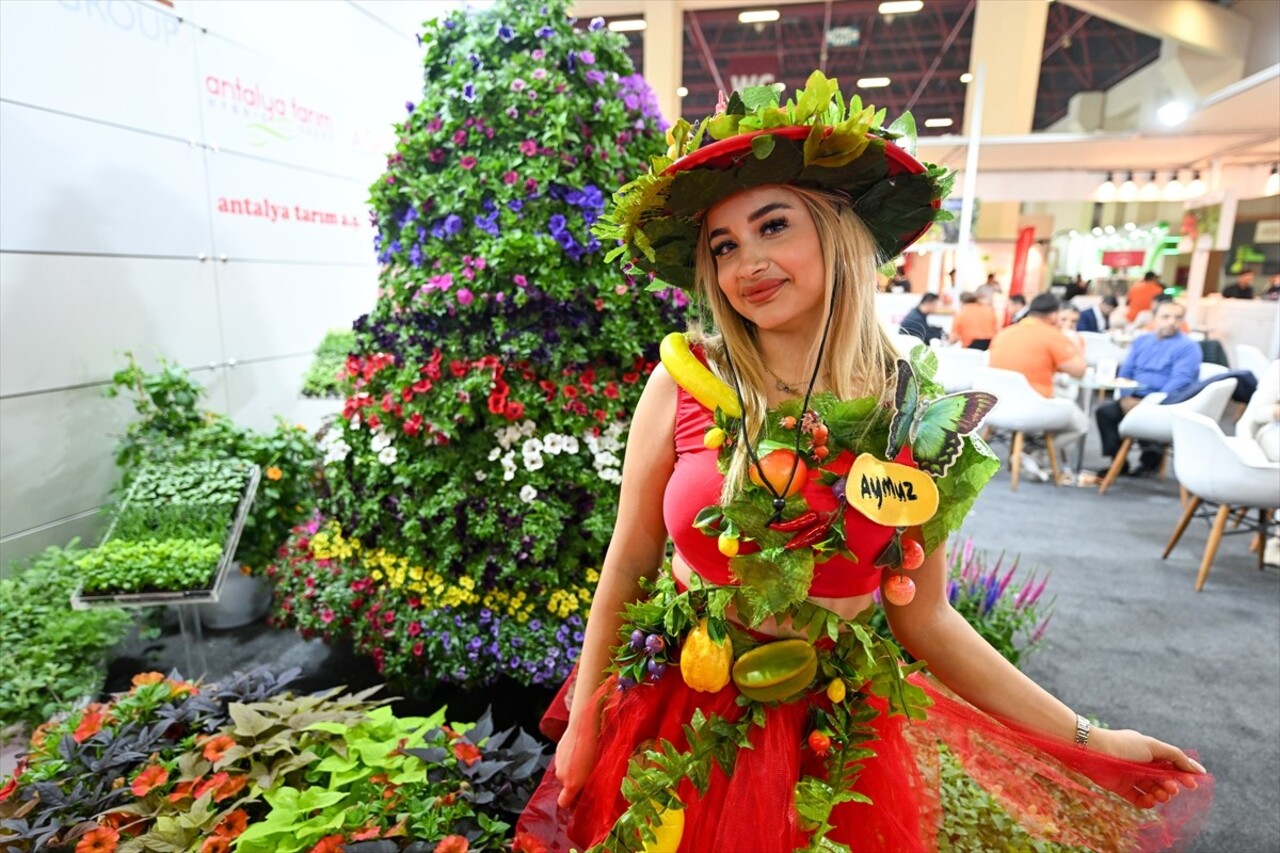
{"x":1165,"y":361}
{"x":1097,"y":318}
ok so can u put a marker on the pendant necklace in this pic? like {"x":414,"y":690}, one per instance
{"x":782,"y":386}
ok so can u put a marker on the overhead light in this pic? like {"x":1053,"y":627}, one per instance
{"x":873,"y":82}
{"x":1150,"y":191}
{"x":1174,"y":190}
{"x":682,"y":92}
{"x":1110,"y":229}
{"x":628,"y":25}
{"x":1130,"y":226}
{"x":1097,"y":232}
{"x":1106,"y":190}
{"x":758,"y":16}
{"x":1197,"y":187}
{"x":1074,"y":234}
{"x":1173,"y":113}
{"x":966,"y":77}
{"x":901,"y":7}
{"x":1128,"y":191}
{"x":1272,"y":186}
{"x":938,"y":122}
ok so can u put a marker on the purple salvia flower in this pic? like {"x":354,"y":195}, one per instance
{"x":1008,"y":576}
{"x":1039,"y":632}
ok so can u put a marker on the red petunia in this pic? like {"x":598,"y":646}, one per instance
{"x":611,"y":390}
{"x":149,"y":779}
{"x":216,"y":844}
{"x":329,"y":844}
{"x":9,"y":787}
{"x":452,"y":844}
{"x":514,"y":411}
{"x":90,"y":724}
{"x":217,"y":747}
{"x":233,"y":824}
{"x":101,"y":840}
{"x":466,"y":752}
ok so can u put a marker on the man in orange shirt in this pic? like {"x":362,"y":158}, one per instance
{"x":1037,"y":349}
{"x":974,"y":325}
{"x":1142,"y":294}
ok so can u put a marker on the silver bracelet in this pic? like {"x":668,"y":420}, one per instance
{"x":1083,"y":727}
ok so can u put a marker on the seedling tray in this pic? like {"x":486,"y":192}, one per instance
{"x":81,"y":600}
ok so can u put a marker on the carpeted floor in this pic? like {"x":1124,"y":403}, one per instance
{"x":1131,"y":642}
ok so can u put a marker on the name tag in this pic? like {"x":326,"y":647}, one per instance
{"x":890,"y":494}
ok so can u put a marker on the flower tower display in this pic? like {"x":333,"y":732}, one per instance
{"x":472,"y":480}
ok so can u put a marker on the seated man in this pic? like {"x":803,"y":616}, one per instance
{"x":917,"y":323}
{"x":1098,"y":317}
{"x":1164,"y":361}
{"x":1017,"y":308}
{"x":1038,"y":349}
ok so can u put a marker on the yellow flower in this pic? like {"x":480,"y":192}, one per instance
{"x":592,"y":576}
{"x":274,"y":473}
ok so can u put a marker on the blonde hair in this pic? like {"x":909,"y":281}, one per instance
{"x":859,"y":357}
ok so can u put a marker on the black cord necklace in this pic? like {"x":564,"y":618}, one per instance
{"x":780,"y":502}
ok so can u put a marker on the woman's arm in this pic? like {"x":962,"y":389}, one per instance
{"x":931,"y":630}
{"x":636,"y":550}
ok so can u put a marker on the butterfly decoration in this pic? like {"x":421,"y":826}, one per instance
{"x":935,"y":429}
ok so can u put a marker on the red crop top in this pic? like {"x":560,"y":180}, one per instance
{"x":696,"y":483}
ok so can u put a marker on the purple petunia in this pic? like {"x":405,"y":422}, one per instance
{"x":469,"y":93}
{"x":595,"y":78}
{"x":408,"y":107}
{"x":545,"y":32}
{"x":506,"y":33}
{"x":587,"y":57}
{"x":596,"y":24}
{"x":415,"y":255}
{"x":476,"y":62}
{"x":517,"y":85}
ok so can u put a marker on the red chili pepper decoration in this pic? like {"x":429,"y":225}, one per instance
{"x":800,"y":522}
{"x":812,"y":536}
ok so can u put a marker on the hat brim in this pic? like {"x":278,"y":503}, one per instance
{"x":889,"y":190}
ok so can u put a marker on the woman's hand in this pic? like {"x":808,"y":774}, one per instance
{"x":575,"y":756}
{"x":1137,"y":747}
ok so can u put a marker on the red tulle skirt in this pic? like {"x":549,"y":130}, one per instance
{"x":1043,"y":783}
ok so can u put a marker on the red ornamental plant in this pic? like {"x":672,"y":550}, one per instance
{"x":491,"y":384}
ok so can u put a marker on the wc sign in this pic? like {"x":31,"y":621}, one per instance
{"x":759,"y":69}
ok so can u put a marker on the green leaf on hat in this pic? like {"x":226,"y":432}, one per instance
{"x":755,"y":98}
{"x":904,"y":128}
{"x":762,"y":145}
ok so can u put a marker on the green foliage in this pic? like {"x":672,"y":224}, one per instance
{"x":50,"y":654}
{"x":120,"y":566}
{"x":326,"y":377}
{"x":266,"y":771}
{"x":172,"y":428}
{"x":491,"y":385}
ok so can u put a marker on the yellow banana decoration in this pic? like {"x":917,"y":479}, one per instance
{"x":694,"y":377}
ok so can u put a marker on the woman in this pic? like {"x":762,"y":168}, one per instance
{"x":794,"y":484}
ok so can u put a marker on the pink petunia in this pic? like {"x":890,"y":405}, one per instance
{"x":467,"y":163}
{"x":510,"y":178}
{"x":465,"y":297}
{"x":529,"y":147}
{"x":520,"y":281}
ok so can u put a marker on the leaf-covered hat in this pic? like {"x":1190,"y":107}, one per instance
{"x":816,"y":140}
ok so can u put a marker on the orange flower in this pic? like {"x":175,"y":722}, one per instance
{"x":127,"y":822}
{"x":214,"y":781}
{"x":328,"y":844}
{"x":453,"y":844}
{"x":274,"y":473}
{"x":100,"y":840}
{"x":90,"y":724}
{"x":216,"y":844}
{"x":181,"y":791}
{"x":142,"y":679}
{"x":229,"y":787}
{"x":367,"y":833}
{"x":233,"y":824}
{"x":151,"y":777}
{"x":217,"y":747}
{"x":466,"y":752}
{"x":181,"y":688}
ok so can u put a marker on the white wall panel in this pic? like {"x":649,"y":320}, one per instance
{"x":264,"y":212}
{"x":152,"y":306}
{"x":77,"y":186}
{"x":81,"y":56}
{"x":56,"y":455}
{"x":285,"y":309}
{"x":264,"y":389}
{"x":58,"y":534}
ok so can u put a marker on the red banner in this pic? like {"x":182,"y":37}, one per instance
{"x":757,"y":69}
{"x":1126,"y":258}
{"x":1026,"y":239}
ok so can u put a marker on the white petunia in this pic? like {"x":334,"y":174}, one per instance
{"x":355,"y":421}
{"x":508,"y":476}
{"x":533,"y":463}
{"x":570,"y":444}
{"x":531,"y":447}
{"x":481,"y":476}
{"x":494,"y":454}
{"x":381,"y":440}
{"x":552,"y":444}
{"x":528,"y":493}
{"x":387,"y":455}
{"x":528,"y":427}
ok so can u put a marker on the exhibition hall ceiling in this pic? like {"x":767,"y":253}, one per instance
{"x":923,"y":54}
